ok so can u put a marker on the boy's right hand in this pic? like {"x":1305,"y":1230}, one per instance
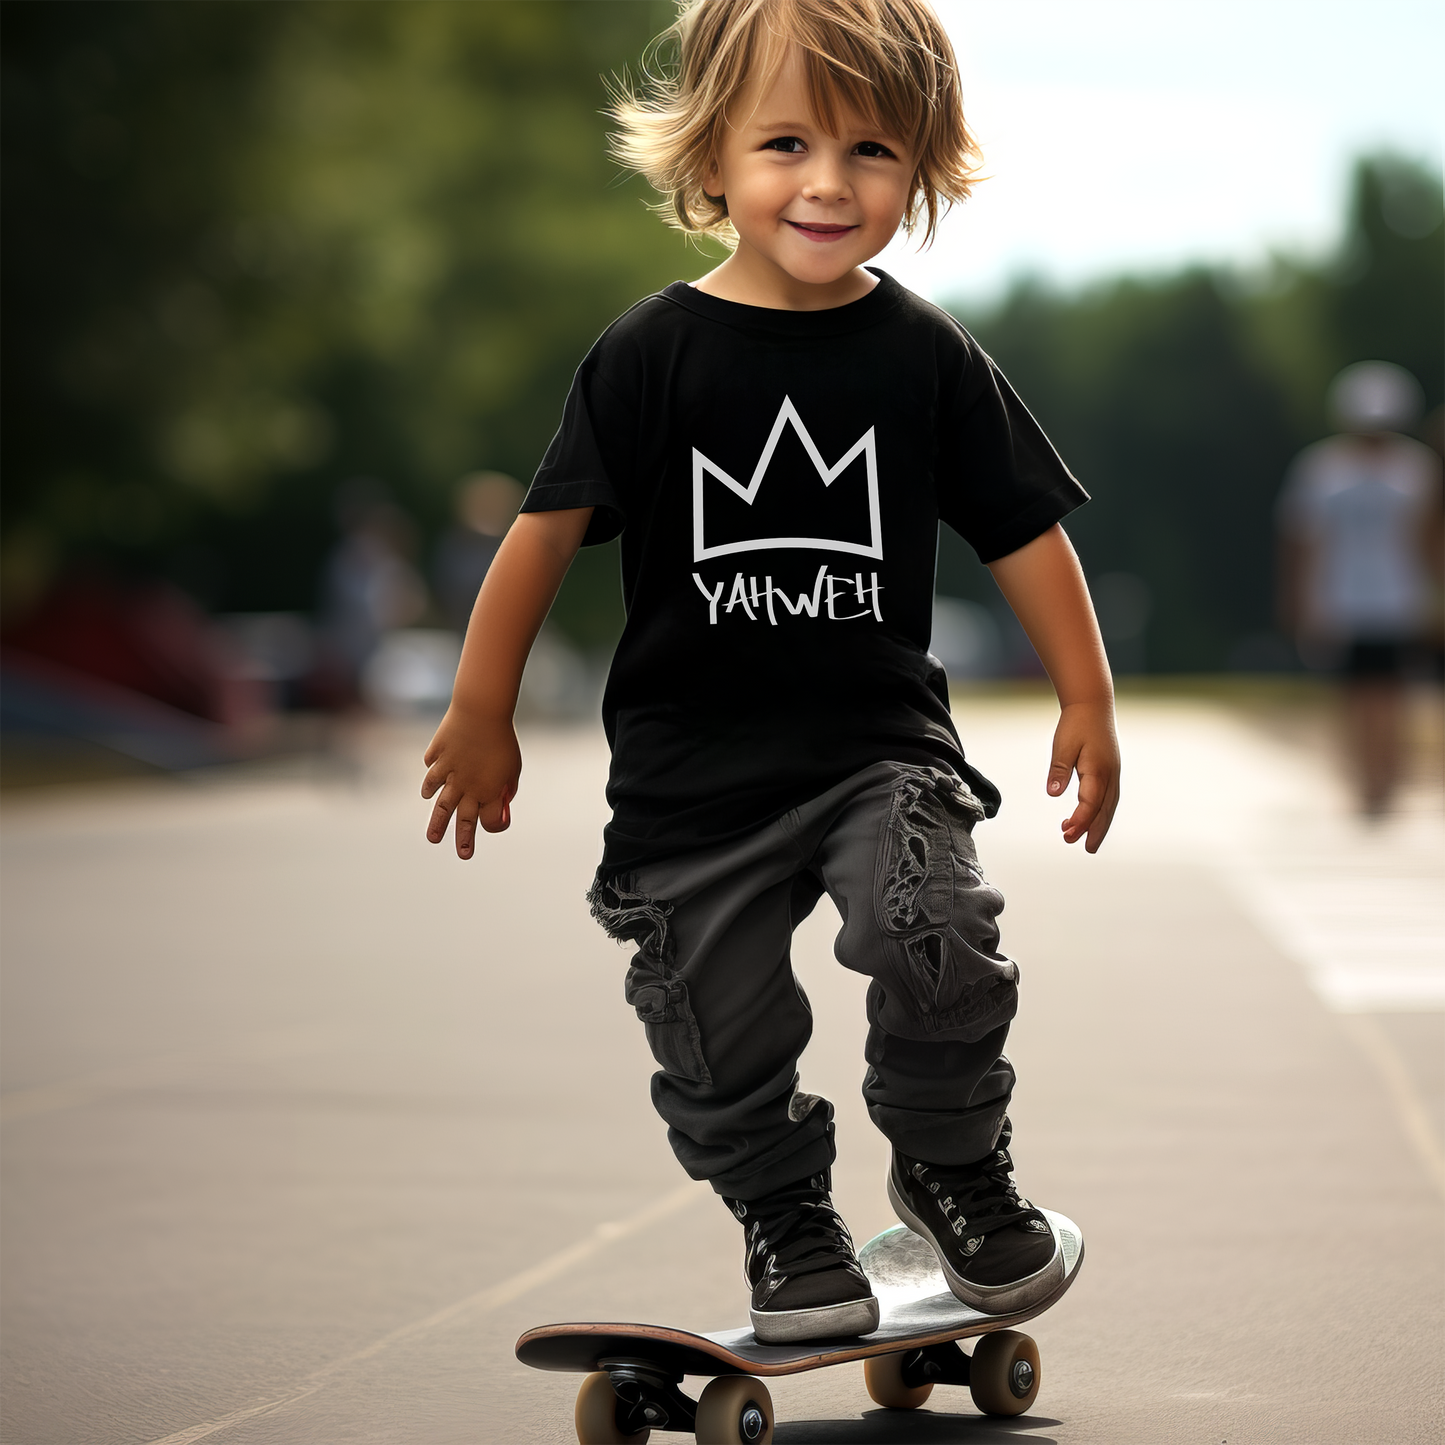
{"x":474,"y":762}
{"x":473,"y":765}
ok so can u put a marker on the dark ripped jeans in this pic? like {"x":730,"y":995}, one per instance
{"x":712,"y":979}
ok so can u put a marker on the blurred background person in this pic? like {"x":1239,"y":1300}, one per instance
{"x":1360,"y":525}
{"x":1434,"y":434}
{"x":486,"y":505}
{"x":369,"y":586}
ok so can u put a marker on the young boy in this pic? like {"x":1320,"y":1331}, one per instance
{"x":776,"y":445}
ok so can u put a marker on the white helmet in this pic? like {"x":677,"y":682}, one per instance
{"x":1375,"y":396}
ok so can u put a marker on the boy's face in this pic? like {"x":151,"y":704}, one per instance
{"x":806,"y":204}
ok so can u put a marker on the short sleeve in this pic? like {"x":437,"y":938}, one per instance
{"x":590,"y":460}
{"x":1000,"y":481}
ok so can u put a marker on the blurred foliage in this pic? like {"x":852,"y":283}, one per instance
{"x":1180,"y":402}
{"x":253,"y":250}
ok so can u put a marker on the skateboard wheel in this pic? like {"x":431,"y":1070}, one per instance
{"x":596,"y":1414}
{"x":734,"y":1410}
{"x":1003,"y":1373}
{"x":883,"y":1375}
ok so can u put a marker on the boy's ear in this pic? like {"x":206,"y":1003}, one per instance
{"x":712,"y":186}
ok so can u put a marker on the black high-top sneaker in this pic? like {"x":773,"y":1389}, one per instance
{"x":800,"y":1265}
{"x":998,"y":1252}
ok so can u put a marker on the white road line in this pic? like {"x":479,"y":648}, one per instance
{"x":1369,"y":941}
{"x":1375,"y":1044}
{"x":1366,"y":941}
{"x":474,"y":1304}
{"x":236,"y":1417}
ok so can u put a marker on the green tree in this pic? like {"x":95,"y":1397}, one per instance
{"x":1180,"y":402}
{"x":115,"y":116}
{"x":257,"y":249}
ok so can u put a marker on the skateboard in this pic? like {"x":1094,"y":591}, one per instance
{"x":634,"y":1371}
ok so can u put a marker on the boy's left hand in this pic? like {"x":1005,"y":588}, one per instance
{"x":1085,"y":742}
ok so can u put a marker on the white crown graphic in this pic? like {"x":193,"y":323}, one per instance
{"x":703,"y":467}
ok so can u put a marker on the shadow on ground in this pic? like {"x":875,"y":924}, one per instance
{"x":914,"y":1427}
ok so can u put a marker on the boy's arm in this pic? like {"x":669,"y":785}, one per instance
{"x":1045,"y":586}
{"x":473,"y":762}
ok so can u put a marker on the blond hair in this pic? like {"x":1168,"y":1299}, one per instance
{"x":887,"y":60}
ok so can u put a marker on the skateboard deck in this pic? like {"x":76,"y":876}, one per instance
{"x":920,"y":1322}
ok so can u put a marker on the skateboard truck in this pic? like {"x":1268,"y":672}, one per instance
{"x":944,"y":1364}
{"x":948,"y":1365}
{"x":627,"y":1398}
{"x":648,"y":1397}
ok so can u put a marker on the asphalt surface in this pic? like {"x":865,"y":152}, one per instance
{"x":305,"y":1121}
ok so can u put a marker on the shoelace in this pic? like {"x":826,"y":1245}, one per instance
{"x":797,"y":1233}
{"x":983,"y":1196}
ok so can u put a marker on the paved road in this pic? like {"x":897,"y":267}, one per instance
{"x":305,"y":1122}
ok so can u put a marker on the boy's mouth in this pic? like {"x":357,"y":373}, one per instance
{"x":820,"y":230}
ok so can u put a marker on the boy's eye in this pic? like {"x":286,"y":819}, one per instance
{"x":873,"y":148}
{"x":789,"y":143}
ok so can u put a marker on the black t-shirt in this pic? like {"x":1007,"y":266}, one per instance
{"x":778,"y":478}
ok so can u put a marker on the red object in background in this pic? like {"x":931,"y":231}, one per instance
{"x":148,"y":637}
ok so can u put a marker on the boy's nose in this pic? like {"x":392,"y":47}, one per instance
{"x":825,"y":181}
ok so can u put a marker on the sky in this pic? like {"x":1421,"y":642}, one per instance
{"x":1126,"y":136}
